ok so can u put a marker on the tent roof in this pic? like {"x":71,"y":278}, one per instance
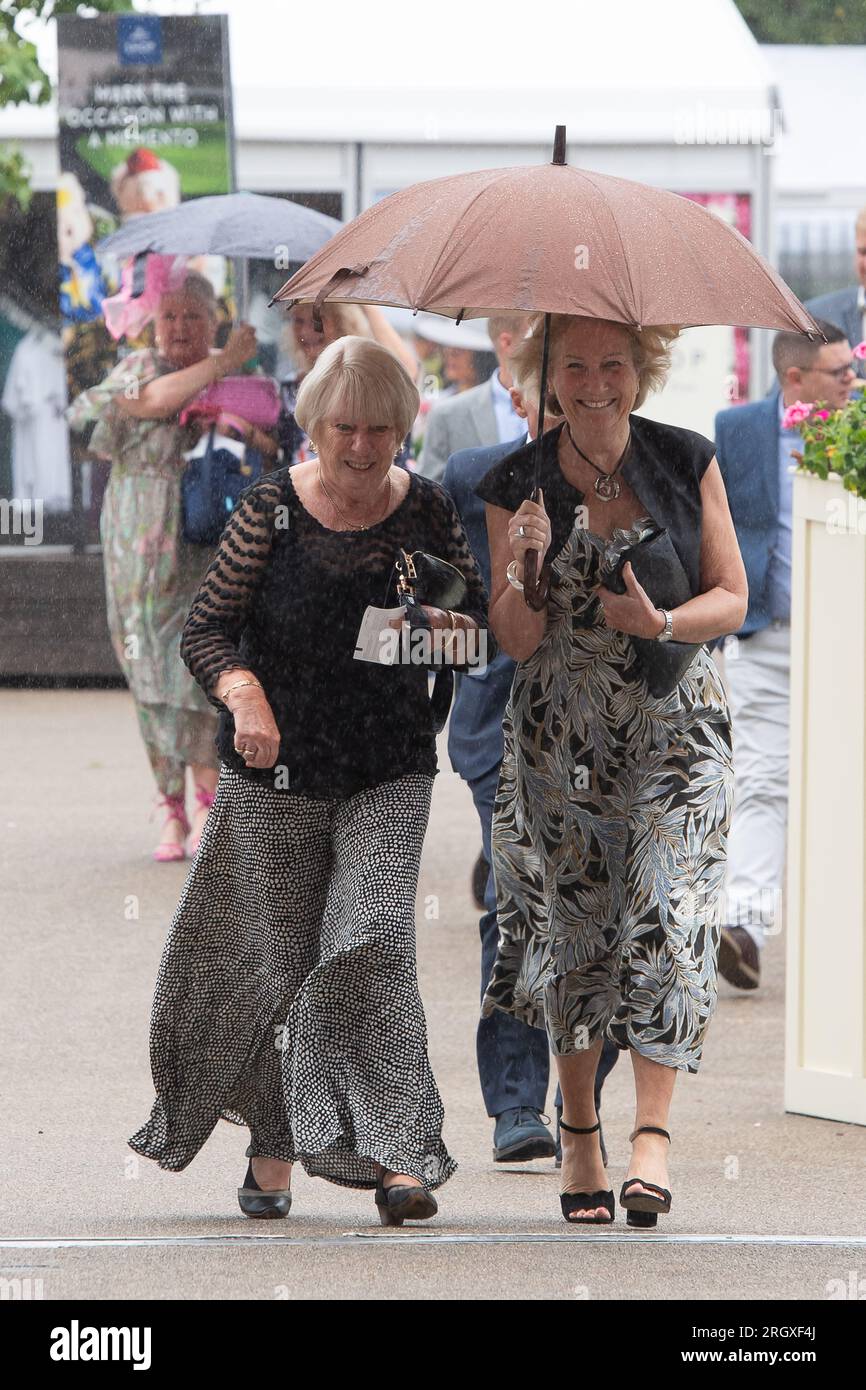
{"x":382,"y":70}
{"x":821,"y":88}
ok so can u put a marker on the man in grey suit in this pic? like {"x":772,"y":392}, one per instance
{"x":482,"y":416}
{"x":847,"y":308}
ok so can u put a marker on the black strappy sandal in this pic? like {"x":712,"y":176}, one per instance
{"x":585,"y":1201}
{"x":643,"y":1208}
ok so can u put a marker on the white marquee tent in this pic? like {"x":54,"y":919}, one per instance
{"x":360,"y":99}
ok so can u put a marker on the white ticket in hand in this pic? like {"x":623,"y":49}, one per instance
{"x":376,"y":641}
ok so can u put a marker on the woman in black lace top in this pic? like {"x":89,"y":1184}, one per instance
{"x":287,"y":998}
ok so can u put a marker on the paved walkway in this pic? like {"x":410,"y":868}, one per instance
{"x":766,"y":1205}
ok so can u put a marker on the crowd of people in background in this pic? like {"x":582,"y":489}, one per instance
{"x":462,"y":405}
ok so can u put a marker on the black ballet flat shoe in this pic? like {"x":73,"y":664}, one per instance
{"x":404,"y":1203}
{"x":644,"y":1208}
{"x":255,"y":1201}
{"x":586,"y":1201}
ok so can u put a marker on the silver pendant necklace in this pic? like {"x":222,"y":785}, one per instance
{"x":606,"y":484}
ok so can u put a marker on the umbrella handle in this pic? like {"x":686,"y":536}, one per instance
{"x":536,"y":587}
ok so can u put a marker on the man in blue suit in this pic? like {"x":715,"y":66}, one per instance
{"x":513,"y":1058}
{"x":847,"y":308}
{"x":754,"y":454}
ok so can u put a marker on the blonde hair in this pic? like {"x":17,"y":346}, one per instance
{"x":526,"y":378}
{"x":346,"y":320}
{"x":650,"y":350}
{"x":363,"y":379}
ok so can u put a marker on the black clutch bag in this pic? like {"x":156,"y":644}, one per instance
{"x":426,"y":579}
{"x":659,"y":570}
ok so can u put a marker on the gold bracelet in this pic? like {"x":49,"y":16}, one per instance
{"x":237,"y":685}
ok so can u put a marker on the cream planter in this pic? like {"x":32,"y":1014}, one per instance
{"x":825,"y":1045}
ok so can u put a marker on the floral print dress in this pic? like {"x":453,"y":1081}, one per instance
{"x":609,"y":833}
{"x":151,"y":573}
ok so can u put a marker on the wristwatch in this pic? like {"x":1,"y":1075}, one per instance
{"x":667,"y":631}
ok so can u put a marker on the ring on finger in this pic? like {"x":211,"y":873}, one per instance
{"x":521,"y":530}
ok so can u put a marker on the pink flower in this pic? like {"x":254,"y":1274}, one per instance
{"x":795,"y":415}
{"x":860,"y":350}
{"x":822,"y":415}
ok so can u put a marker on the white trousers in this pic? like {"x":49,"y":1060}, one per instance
{"x":757,"y":675}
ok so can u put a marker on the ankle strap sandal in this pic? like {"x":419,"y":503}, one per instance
{"x":586,"y":1201}
{"x":644,"y":1208}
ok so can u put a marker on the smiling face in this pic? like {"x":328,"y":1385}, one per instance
{"x":594,"y":378}
{"x":355,"y":454}
{"x":185,"y":330}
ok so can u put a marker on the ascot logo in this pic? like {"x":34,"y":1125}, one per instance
{"x":139,"y":39}
{"x":77,"y":1343}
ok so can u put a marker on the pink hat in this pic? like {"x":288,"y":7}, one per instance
{"x":126,"y":313}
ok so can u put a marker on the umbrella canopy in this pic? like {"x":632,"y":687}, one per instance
{"x":555,"y":239}
{"x":550,"y":237}
{"x":248,"y":225}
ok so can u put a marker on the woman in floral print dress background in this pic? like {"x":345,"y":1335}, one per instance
{"x":151,"y":572}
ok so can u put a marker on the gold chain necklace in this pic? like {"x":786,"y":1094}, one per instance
{"x":341,"y":515}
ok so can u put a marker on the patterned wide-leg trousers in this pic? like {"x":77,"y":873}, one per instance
{"x":287,"y":998}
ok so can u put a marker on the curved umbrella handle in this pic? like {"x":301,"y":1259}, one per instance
{"x":338,"y":276}
{"x":536,"y":587}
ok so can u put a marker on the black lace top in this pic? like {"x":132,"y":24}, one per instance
{"x":284,"y":596}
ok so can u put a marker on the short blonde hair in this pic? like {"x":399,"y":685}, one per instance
{"x":650,"y":350}
{"x":526,"y":378}
{"x":343,"y":319}
{"x":362,"y":378}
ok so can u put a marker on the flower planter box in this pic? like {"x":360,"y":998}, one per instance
{"x":825,"y":1046}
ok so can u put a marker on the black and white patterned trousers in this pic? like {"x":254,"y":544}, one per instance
{"x":287,"y":998}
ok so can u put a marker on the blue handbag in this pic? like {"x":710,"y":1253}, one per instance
{"x":210,"y":489}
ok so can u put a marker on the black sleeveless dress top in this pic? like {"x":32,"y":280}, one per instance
{"x":664,"y":470}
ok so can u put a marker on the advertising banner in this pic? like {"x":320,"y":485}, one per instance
{"x":145,"y":122}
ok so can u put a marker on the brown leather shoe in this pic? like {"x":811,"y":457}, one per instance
{"x":739,"y":958}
